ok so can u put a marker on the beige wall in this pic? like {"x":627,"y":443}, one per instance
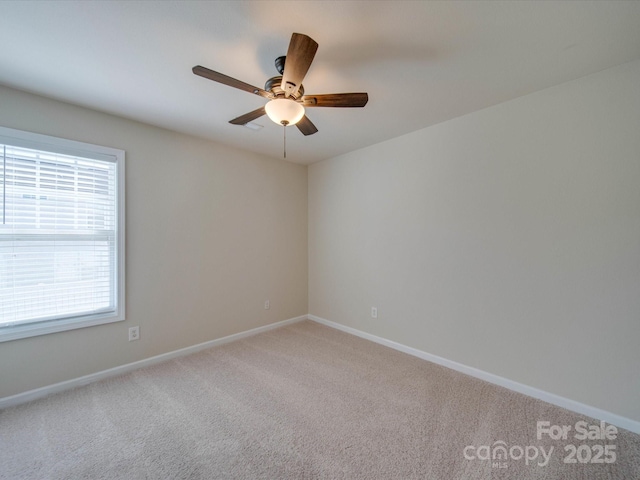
{"x":507,"y":240}
{"x":212,"y":232}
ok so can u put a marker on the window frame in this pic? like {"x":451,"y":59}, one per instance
{"x":58,"y":145}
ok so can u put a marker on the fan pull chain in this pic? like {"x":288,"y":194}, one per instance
{"x":284,"y":139}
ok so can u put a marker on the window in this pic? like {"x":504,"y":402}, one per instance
{"x":61,"y":234}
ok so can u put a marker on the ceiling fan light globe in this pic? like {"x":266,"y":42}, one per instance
{"x":284,"y":111}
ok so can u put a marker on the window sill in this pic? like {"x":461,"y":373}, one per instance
{"x":43,"y":328}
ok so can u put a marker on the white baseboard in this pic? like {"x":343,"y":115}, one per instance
{"x":572,"y":405}
{"x":112,"y":372}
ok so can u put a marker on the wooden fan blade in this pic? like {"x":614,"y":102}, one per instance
{"x":335,"y":100}
{"x":232,"y":82}
{"x":301,"y":51}
{"x":306,"y":127}
{"x":248,"y":117}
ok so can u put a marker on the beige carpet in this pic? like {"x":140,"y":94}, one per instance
{"x":301,"y":402}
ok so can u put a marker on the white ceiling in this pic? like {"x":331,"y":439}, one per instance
{"x":421,"y":62}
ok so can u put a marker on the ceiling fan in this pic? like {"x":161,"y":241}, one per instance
{"x":285,"y":93}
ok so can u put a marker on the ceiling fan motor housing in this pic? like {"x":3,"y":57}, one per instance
{"x":280,"y":61}
{"x":274,"y":85}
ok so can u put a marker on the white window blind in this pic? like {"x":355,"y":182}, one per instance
{"x":59,"y":237}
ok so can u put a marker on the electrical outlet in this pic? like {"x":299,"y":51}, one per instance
{"x":374,"y":312}
{"x":134,"y":333}
{"x":267,"y":305}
